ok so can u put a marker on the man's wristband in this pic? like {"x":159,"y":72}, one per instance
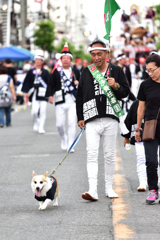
{"x":138,"y":130}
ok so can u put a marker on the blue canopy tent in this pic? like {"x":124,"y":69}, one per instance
{"x":15,"y":54}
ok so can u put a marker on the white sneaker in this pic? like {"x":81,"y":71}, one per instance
{"x":35,"y":127}
{"x":41,"y":131}
{"x":90,"y":196}
{"x":64,"y":143}
{"x":142,"y":187}
{"x":111,"y":194}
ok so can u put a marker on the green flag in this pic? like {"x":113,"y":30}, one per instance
{"x":110,"y":7}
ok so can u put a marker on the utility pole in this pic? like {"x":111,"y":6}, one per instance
{"x":8,"y":23}
{"x":23,"y":20}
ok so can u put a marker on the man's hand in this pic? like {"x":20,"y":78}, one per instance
{"x":112,"y":83}
{"x":76,"y":82}
{"x":126,"y":140}
{"x":81,"y":124}
{"x":51,"y":99}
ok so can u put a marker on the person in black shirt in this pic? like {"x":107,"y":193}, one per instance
{"x":141,"y":69}
{"x":77,"y":67}
{"x":121,"y":59}
{"x":149,"y":104}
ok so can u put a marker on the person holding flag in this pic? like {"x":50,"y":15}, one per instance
{"x":63,"y":85}
{"x":98,"y":111}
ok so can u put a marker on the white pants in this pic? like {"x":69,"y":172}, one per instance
{"x":133,"y":19}
{"x":39,"y":106}
{"x":61,"y":110}
{"x":122,"y":125}
{"x":107,"y":129}
{"x":135,"y":86}
{"x":141,"y":163}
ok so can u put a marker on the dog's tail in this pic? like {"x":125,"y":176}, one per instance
{"x":57,"y":188}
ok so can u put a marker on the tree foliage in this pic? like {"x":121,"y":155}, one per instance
{"x":76,"y":53}
{"x":81,"y":54}
{"x":44,"y":35}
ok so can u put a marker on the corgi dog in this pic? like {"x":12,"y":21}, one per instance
{"x":45,"y":189}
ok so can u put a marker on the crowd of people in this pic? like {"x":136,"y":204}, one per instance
{"x":138,"y":31}
{"x":101,"y":97}
{"x":22,"y":80}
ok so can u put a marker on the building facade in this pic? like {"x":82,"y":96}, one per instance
{"x":18,"y":20}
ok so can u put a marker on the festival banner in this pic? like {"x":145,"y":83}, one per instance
{"x":110,"y":7}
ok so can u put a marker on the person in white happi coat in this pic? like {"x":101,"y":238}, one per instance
{"x":34,"y":87}
{"x":63,"y":86}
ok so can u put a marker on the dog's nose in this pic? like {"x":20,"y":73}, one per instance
{"x":37,"y":188}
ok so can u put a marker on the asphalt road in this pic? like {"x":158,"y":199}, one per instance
{"x":22,"y":151}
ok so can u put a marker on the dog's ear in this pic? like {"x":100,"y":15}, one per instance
{"x":45,"y":175}
{"x":34,"y":174}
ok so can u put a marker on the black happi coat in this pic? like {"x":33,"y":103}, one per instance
{"x":50,"y":194}
{"x":28,"y":84}
{"x":128,"y":74}
{"x":131,"y":122}
{"x":90,"y":104}
{"x":143,"y":70}
{"x":56,"y":83}
{"x":126,"y":101}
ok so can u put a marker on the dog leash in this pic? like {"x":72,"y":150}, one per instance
{"x":70,"y":149}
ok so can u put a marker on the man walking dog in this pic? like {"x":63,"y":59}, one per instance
{"x":99,"y":114}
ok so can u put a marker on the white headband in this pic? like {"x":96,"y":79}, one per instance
{"x":40,"y":57}
{"x":153,"y":52}
{"x":68,"y":54}
{"x":96,"y":48}
{"x":120,"y":57}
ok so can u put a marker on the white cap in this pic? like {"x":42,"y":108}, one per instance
{"x":40,"y":57}
{"x":90,"y":49}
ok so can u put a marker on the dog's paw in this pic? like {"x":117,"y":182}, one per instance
{"x":55,"y":204}
{"x":42,"y":208}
